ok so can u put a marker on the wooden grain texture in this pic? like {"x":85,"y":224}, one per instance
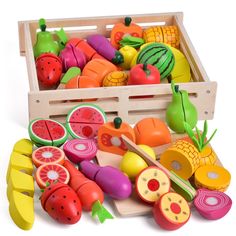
{"x":132,"y":206}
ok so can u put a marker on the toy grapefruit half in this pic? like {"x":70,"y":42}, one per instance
{"x":47,"y":132}
{"x":48,"y":154}
{"x":84,"y":120}
{"x":49,"y":173}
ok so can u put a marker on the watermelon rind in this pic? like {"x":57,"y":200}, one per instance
{"x":37,"y":140}
{"x":43,"y":142}
{"x":71,"y":112}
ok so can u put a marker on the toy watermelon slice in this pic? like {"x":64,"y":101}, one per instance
{"x":48,"y":154}
{"x":84,"y":120}
{"x":47,"y":132}
{"x":49,"y":173}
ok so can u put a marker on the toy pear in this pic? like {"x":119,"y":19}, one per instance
{"x":45,"y":42}
{"x":180,"y":110}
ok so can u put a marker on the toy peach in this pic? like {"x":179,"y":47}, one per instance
{"x":109,"y":136}
{"x":152,"y":132}
{"x":97,"y":69}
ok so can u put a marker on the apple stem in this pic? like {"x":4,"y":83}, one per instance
{"x":146,"y":70}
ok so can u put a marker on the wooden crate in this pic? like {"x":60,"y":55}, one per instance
{"x":116,"y":101}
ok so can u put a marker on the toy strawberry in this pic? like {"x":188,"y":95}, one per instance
{"x":62,"y":203}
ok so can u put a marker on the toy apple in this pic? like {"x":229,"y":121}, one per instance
{"x":144,"y":74}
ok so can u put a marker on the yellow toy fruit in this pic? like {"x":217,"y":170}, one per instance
{"x":182,"y":158}
{"x":115,"y":78}
{"x":128,"y":53}
{"x":207,"y":156}
{"x":21,"y":163}
{"x":24,"y":146}
{"x":21,"y":208}
{"x":212,"y":177}
{"x":20,"y":182}
{"x":132,"y":164}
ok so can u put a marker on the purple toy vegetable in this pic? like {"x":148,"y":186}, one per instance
{"x":72,"y":57}
{"x":111,"y":180}
{"x":103,"y":46}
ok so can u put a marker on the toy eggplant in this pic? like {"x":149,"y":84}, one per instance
{"x":45,"y":42}
{"x":102,"y":45}
{"x":111,"y":180}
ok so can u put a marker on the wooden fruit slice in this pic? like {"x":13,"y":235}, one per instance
{"x":48,"y":154}
{"x":212,"y":205}
{"x":78,"y":150}
{"x":24,"y":147}
{"x":151,"y":184}
{"x":49,"y":173}
{"x":212,"y":177}
{"x":171,"y":211}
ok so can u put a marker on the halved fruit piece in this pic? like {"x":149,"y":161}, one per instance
{"x":84,"y":120}
{"x":24,"y":147}
{"x":21,"y":208}
{"x":151,"y":184}
{"x":20,"y":182}
{"x":21,"y":163}
{"x":47,"y":132}
{"x":48,"y":154}
{"x":49,"y":173}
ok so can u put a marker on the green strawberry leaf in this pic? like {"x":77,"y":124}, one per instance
{"x":101,"y":212}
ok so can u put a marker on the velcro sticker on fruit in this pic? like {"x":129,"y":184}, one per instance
{"x":49,"y":173}
{"x":62,"y":203}
{"x":77,"y":150}
{"x":48,"y":154}
{"x":84,"y":120}
{"x":182,"y":158}
{"x":212,"y":205}
{"x":47,"y":132}
{"x":151,"y":184}
{"x":109,"y":136}
{"x":158,"y":55}
{"x":212,"y":177}
{"x":171,"y":211}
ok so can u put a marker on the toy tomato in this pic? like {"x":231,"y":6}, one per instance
{"x":144,"y":74}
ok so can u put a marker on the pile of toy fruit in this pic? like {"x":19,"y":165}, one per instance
{"x":163,"y":183}
{"x":132,"y":56}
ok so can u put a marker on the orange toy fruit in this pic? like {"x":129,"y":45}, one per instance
{"x":97,"y":69}
{"x":152,"y":132}
{"x":123,"y":29}
{"x":151,"y":184}
{"x":109,"y":136}
{"x":115,"y":78}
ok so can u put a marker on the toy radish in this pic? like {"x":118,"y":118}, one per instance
{"x":102,"y":45}
{"x":62,"y":203}
{"x":112,"y":181}
{"x":89,"y":193}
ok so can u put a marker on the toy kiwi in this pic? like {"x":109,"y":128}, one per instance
{"x":180,"y":110}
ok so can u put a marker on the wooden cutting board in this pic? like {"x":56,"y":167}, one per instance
{"x":132,"y":206}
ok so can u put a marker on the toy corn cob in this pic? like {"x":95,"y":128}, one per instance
{"x":206,"y":153}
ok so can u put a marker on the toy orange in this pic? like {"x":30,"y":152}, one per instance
{"x":109,"y":136}
{"x":97,"y":69}
{"x":152,"y":132}
{"x":124,"y":29}
{"x":115,"y":78}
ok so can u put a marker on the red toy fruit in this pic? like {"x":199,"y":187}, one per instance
{"x":84,"y":120}
{"x":46,"y":155}
{"x":49,"y":173}
{"x":151,"y":184}
{"x":171,"y":211}
{"x":61,"y":203}
{"x":144,"y":74}
{"x":49,"y":69}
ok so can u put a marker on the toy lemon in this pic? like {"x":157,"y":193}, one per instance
{"x":132,"y":164}
{"x":115,"y":78}
{"x":128,"y":53}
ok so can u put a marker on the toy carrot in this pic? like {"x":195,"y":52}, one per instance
{"x":89,"y":193}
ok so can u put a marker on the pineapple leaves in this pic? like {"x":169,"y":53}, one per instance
{"x":209,"y":140}
{"x":205,"y":130}
{"x":191,"y":135}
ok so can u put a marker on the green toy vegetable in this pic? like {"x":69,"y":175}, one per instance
{"x":134,"y":42}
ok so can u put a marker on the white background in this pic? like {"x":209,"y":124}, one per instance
{"x":211,"y":27}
